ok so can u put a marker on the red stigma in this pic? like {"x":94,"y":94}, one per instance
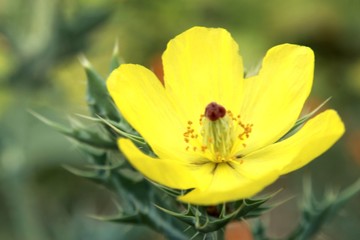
{"x":214,"y":111}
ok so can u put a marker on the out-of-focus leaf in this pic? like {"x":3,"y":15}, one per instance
{"x":81,"y":135}
{"x":119,"y":218}
{"x":315,"y":213}
{"x":258,"y":230}
{"x":115,"y":61}
{"x":89,"y":174}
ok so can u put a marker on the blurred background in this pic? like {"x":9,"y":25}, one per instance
{"x":40,"y":41}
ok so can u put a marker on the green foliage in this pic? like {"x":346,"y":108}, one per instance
{"x":82,"y":135}
{"x":214,"y":218}
{"x":315,"y":213}
{"x":259,"y":230}
{"x":98,"y":99}
{"x":62,"y":38}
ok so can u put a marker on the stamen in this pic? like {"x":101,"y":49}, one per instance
{"x":218,"y":132}
{"x":203,"y":148}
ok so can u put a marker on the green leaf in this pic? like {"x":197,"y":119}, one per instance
{"x":89,"y":174}
{"x":300,"y":122}
{"x":119,"y":218}
{"x":316,"y":213}
{"x":98,"y":98}
{"x":170,"y":191}
{"x":201,"y":221}
{"x":184,"y":216}
{"x":258,"y":230}
{"x":253,"y":206}
{"x":81,"y":135}
{"x":115,"y":61}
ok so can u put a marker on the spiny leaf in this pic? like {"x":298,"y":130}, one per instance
{"x":98,"y":97}
{"x":81,"y":135}
{"x":194,"y":236}
{"x":263,"y":209}
{"x":119,"y":218}
{"x":316,"y":213}
{"x":346,"y":195}
{"x":56,"y":126}
{"x":131,"y":134}
{"x":184,"y":216}
{"x":258,"y":212}
{"x":115,"y":61}
{"x":170,"y":191}
{"x":199,"y":218}
{"x":250,"y":205}
{"x":302,"y":120}
{"x":97,"y":176}
{"x":106,"y":168}
{"x":118,"y":129}
{"x":215,"y":224}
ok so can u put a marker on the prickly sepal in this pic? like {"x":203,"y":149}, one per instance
{"x":213,"y":218}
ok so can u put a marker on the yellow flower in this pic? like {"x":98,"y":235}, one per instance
{"x":214,"y":131}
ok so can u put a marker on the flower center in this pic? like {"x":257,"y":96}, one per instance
{"x":218,"y":133}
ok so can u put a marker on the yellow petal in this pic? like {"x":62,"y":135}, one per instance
{"x":274,"y":98}
{"x":141,"y":99}
{"x":168,"y":172}
{"x":228,"y":184}
{"x":202,"y":65}
{"x":314,"y":138}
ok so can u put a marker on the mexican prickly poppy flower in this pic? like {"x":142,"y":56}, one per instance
{"x":214,"y":131}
